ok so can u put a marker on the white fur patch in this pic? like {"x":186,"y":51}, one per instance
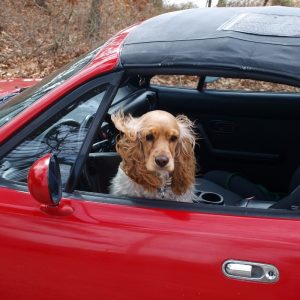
{"x":122,"y":185}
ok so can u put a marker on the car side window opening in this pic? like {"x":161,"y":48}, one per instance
{"x":247,"y":85}
{"x":63,"y":135}
{"x":102,"y":163}
{"x":182,"y":81}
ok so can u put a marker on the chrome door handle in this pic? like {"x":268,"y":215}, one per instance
{"x":246,"y":270}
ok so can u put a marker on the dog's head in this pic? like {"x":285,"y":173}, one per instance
{"x":155,"y":144}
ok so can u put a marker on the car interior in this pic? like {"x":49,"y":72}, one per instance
{"x":248,"y":141}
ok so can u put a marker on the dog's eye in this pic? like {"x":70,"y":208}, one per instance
{"x":173,"y":138}
{"x":150,"y":137}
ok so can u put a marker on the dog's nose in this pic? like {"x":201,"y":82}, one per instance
{"x":161,"y":160}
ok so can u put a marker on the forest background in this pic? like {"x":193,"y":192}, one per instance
{"x":39,"y":36}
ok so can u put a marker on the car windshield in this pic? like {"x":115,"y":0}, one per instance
{"x":17,"y":104}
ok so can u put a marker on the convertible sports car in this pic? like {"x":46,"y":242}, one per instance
{"x":236,"y":73}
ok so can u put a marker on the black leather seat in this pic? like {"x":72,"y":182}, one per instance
{"x":239,"y":191}
{"x":240,"y":185}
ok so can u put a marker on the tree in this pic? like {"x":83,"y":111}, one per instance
{"x":282,"y":2}
{"x":222,"y":3}
{"x":94,"y":20}
{"x":41,"y":3}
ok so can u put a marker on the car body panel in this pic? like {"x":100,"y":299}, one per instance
{"x":13,"y":85}
{"x":128,"y":252}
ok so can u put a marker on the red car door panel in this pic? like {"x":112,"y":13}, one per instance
{"x":113,"y":251}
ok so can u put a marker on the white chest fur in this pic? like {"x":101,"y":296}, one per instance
{"x":122,"y":185}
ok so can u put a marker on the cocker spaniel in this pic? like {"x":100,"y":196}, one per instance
{"x":158,"y":160}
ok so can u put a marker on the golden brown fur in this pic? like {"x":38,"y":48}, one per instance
{"x":157,"y":143}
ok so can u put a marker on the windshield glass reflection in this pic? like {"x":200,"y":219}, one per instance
{"x":17,"y":104}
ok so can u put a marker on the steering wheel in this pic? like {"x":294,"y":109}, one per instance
{"x":106,"y":137}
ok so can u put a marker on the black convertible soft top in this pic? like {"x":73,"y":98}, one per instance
{"x":262,"y":40}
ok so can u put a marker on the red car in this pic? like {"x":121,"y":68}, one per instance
{"x":236,"y":73}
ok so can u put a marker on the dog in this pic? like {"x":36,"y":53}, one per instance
{"x":158,"y":161}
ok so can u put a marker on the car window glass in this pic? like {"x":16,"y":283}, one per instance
{"x":185,"y":81}
{"x":17,"y":104}
{"x":247,"y":85}
{"x":63,"y":136}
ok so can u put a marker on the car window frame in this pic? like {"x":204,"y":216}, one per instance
{"x":233,"y":211}
{"x":114,"y":79}
{"x":111,"y":81}
{"x":113,"y":86}
{"x":148,"y":72}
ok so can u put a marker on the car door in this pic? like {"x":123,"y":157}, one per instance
{"x":102,"y":247}
{"x":121,"y":249}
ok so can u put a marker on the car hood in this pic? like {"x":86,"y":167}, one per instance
{"x":12,"y":87}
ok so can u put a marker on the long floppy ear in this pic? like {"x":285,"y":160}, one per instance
{"x":185,"y":161}
{"x":130,"y":148}
{"x":125,"y":124}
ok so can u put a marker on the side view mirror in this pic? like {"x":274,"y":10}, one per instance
{"x":44,"y":180}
